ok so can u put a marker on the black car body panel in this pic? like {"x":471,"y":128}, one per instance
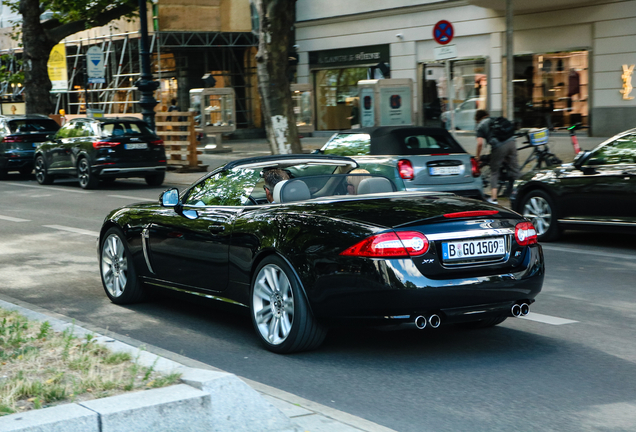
{"x":214,"y":250}
{"x":19,"y":136}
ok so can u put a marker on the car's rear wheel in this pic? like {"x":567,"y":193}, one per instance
{"x":155,"y":179}
{"x":539,"y":208}
{"x":279,"y":309}
{"x":87,"y":179}
{"x":119,"y":277}
{"x":41,"y":171}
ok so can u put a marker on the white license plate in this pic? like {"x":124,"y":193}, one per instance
{"x":479,"y":248}
{"x":444,"y":170}
{"x":136,"y":146}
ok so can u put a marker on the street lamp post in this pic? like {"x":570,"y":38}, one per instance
{"x":145,"y":84}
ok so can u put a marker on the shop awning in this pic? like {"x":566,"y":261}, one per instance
{"x":528,"y":6}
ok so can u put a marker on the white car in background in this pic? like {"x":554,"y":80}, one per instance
{"x":464,"y":114}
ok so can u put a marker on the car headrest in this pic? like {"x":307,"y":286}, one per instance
{"x":276,"y":191}
{"x":375,"y":185}
{"x":294,"y":190}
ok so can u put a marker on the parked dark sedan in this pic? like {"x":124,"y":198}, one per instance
{"x":19,"y":135}
{"x":322,"y":252}
{"x":422,"y":158}
{"x":93,"y":149}
{"x":597,"y":190}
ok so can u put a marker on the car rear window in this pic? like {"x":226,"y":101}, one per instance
{"x":348,"y":144}
{"x":415,"y":142}
{"x":125,"y":128}
{"x":33,"y":125}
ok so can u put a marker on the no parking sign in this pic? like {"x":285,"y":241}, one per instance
{"x":443,"y":32}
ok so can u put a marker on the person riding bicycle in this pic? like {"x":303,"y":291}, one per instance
{"x":504,"y":151}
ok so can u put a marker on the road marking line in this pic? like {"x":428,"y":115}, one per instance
{"x":547,"y":319}
{"x":586,"y":252}
{"x":49,"y":188}
{"x":12,"y":219}
{"x":133,"y":198}
{"x":73,"y":230}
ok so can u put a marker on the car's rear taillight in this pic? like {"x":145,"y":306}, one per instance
{"x":158,"y":142}
{"x":405,"y":168}
{"x":12,"y":139}
{"x":525,"y":233}
{"x":474,"y":167}
{"x":390,"y":245}
{"x":104,"y":144}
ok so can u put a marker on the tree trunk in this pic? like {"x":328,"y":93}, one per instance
{"x":276,"y":18}
{"x":37,"y":47}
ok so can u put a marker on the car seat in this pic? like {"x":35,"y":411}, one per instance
{"x":290,"y":191}
{"x":118,"y":130}
{"x":375,"y":185}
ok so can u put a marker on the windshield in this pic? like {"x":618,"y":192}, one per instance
{"x":351,"y":144}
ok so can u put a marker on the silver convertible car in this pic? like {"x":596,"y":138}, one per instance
{"x":417,"y":158}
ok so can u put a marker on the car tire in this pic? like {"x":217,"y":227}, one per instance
{"x":539,"y":207}
{"x":155,"y":179}
{"x":485,"y":323}
{"x":87,"y":179}
{"x":41,"y":172}
{"x":119,"y":277}
{"x":280,"y":312}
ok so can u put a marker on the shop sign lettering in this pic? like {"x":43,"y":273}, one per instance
{"x":627,"y":82}
{"x":350,"y":58}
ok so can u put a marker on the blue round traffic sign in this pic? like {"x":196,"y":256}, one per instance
{"x":443,"y":32}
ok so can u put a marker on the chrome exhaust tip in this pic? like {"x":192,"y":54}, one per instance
{"x":420,"y":322}
{"x":515,"y":310}
{"x":434,"y":321}
{"x":525,"y":309}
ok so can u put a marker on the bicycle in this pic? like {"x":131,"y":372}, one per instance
{"x":540,"y":157}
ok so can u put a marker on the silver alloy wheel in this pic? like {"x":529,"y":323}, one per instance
{"x":40,"y":170}
{"x":273,"y":304}
{"x":114,"y":265}
{"x":538,"y":210}
{"x":83,"y":172}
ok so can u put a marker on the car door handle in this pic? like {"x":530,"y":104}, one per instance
{"x":216,"y":229}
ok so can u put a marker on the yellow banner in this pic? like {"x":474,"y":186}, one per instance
{"x":57,"y":68}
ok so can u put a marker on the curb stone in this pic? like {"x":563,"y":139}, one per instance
{"x":285,"y":411}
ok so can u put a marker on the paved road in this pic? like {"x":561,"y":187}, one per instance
{"x":569,"y":367}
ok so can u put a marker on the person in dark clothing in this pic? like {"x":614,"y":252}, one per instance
{"x":272,"y":177}
{"x":500,"y":152}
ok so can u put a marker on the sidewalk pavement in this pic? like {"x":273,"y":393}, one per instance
{"x":236,"y":404}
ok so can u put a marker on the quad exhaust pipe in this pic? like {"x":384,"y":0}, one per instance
{"x":520,"y":309}
{"x":434,"y":321}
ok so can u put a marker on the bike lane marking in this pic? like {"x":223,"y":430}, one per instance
{"x":73,"y":230}
{"x":49,"y":188}
{"x":585,"y":252}
{"x":547,"y":319}
{"x":13,"y":219}
{"x":132,"y":198}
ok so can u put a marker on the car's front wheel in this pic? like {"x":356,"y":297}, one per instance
{"x":41,"y":171}
{"x":119,"y":277}
{"x":87,"y":179}
{"x":280,"y":312}
{"x":539,"y":208}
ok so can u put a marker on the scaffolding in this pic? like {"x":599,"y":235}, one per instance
{"x":228,"y":56}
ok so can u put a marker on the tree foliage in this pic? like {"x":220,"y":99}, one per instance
{"x":67,"y":17}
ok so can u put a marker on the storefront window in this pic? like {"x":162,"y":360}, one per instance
{"x":551,"y":90}
{"x":337,"y":97}
{"x":469,"y":80}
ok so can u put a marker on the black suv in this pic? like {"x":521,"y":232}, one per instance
{"x":19,"y":135}
{"x":102,"y":149}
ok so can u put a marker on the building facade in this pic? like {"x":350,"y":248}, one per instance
{"x":572,"y":60}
